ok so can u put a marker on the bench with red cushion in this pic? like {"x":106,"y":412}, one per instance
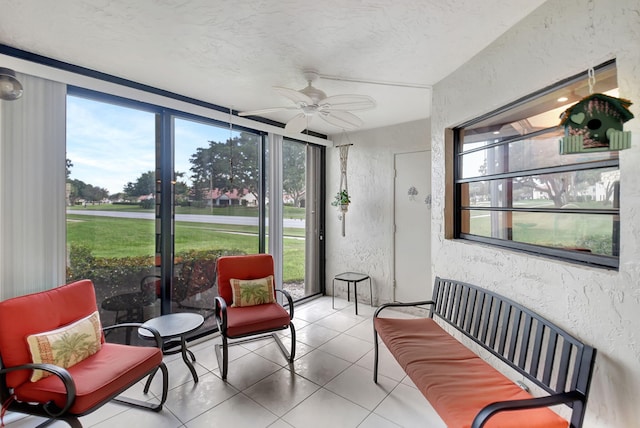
{"x":464,"y":389}
{"x":82,"y":387}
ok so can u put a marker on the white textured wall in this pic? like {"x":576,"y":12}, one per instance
{"x":368,"y":244}
{"x":561,"y":38}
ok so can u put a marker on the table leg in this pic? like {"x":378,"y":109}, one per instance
{"x":355,"y":295}
{"x":185,"y":351}
{"x":333,"y":295}
{"x":370,"y":293}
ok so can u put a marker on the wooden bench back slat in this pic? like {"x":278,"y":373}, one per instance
{"x":536,"y":348}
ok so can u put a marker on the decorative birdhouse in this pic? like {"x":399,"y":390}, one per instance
{"x":595,"y":124}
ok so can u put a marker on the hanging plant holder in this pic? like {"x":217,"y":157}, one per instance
{"x":342,"y":199}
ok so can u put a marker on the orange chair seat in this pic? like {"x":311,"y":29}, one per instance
{"x":97,"y":378}
{"x":251,"y":319}
{"x":456,"y":382}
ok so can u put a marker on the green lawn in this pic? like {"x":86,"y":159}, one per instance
{"x":550,"y":229}
{"x":112,"y":237}
{"x":235,"y":210}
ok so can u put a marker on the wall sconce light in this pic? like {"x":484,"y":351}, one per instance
{"x":10,"y":87}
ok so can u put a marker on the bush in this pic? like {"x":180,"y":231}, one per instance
{"x":103,"y":270}
{"x":148,"y":203}
{"x":118,"y":271}
{"x":598,"y":244}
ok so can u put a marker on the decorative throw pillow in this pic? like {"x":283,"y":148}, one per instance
{"x":250,"y":292}
{"x":67,"y":345}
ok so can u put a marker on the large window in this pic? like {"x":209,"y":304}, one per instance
{"x":110,"y":198}
{"x":513,"y":188}
{"x":155,"y":196}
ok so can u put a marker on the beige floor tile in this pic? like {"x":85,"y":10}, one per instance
{"x":347,"y":347}
{"x":191,"y":399}
{"x":237,"y":412}
{"x":315,"y":335}
{"x":407,"y":407}
{"x":281,"y":391}
{"x":319,"y":366}
{"x":326,"y":409}
{"x":356,"y":384}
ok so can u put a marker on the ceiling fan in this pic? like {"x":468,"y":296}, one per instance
{"x":314,"y":102}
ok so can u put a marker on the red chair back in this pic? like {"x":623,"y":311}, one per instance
{"x":252,"y":266}
{"x":36,"y":313}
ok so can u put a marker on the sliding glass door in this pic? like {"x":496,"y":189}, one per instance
{"x":301,"y":218}
{"x":110,"y":198}
{"x":155,"y":196}
{"x":217,"y":203}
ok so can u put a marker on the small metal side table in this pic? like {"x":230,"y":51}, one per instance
{"x":351,"y":278}
{"x":174,"y":326}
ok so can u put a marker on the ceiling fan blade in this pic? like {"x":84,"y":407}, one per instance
{"x":342,"y":119}
{"x":347,"y":102}
{"x":297,"y":124}
{"x":265,"y":111}
{"x":295,"y":96}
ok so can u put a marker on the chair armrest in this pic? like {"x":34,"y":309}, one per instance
{"x":289,"y":301}
{"x":62,"y":373}
{"x":220,"y":312}
{"x":400,"y":304}
{"x":153,"y":331}
{"x":530,"y":403}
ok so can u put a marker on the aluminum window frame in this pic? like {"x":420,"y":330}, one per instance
{"x":562,"y":254}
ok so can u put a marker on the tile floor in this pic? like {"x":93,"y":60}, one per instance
{"x":330,"y":383}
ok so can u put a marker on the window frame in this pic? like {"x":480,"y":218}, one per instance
{"x":460,"y":210}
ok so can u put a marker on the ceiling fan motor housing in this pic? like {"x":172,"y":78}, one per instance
{"x":315,"y":94}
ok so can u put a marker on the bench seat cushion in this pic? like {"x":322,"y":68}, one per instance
{"x":97,"y":378}
{"x":456,"y":382}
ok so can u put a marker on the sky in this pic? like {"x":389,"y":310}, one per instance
{"x":111,"y":145}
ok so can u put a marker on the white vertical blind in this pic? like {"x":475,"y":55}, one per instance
{"x":32,"y":188}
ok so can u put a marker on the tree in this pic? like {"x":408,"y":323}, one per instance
{"x":180,"y":190}
{"x":87,"y":192}
{"x":68,"y":168}
{"x":294,"y":171}
{"x":144,"y":185}
{"x":228,"y":165}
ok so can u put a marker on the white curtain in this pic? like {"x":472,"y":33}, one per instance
{"x":32,"y":188}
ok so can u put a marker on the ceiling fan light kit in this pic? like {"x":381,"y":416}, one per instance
{"x":10,"y":87}
{"x":312,"y":102}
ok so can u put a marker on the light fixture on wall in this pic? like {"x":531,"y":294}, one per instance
{"x":10,"y":87}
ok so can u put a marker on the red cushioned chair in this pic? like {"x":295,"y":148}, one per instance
{"x":242,"y":322}
{"x":86,"y":385}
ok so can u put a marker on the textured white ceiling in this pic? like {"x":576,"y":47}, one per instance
{"x":231,"y":52}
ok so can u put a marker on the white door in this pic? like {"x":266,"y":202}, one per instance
{"x":412,"y":216}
